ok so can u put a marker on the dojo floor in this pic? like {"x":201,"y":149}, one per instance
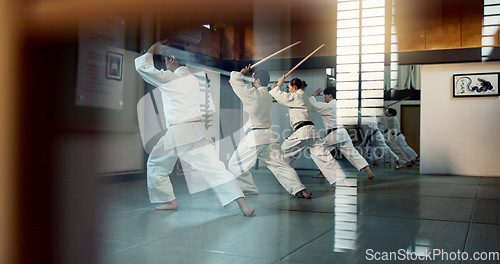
{"x":399,"y":212}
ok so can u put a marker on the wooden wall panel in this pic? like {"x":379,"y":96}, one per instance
{"x":411,"y":37}
{"x":312,"y":22}
{"x":443,"y":26}
{"x":410,"y":25}
{"x":248,"y":43}
{"x":232,"y":41}
{"x":438,"y":24}
{"x":229,"y":43}
{"x":210,"y":43}
{"x":472,"y":20}
{"x":312,"y":36}
{"x":498,"y":38}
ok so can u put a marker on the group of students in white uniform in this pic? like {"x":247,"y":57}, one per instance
{"x":384,"y":141}
{"x":187,"y":139}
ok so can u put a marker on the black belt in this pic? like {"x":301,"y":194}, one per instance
{"x":305,"y":123}
{"x":331,"y":130}
{"x":255,"y":128}
{"x":394,"y":133}
{"x":372,"y":132}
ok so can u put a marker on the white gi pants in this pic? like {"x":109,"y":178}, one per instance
{"x":393,"y":143}
{"x":378,"y":144}
{"x":401,"y":139}
{"x":350,"y":153}
{"x":292,"y":147}
{"x":201,"y":156}
{"x":246,"y":156}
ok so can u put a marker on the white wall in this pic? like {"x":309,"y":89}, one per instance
{"x":459,"y":136}
{"x":120,"y":149}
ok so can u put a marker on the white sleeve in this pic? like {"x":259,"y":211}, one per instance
{"x":240,"y":88}
{"x":145,"y":67}
{"x":321,"y":108}
{"x":397,"y":125}
{"x":286,"y":99}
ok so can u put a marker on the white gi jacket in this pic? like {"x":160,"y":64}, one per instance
{"x":393,"y":124}
{"x":186,"y":138}
{"x":382,"y":124}
{"x":307,"y":137}
{"x":257,"y":103}
{"x":391,"y":139}
{"x":181,"y":101}
{"x":261,"y":142}
{"x":299,"y":109}
{"x":328,"y":112}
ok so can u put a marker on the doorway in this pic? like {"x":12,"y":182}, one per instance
{"x":410,"y":125}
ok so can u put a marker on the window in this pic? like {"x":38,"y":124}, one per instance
{"x":360,"y":71}
{"x":491,"y":24}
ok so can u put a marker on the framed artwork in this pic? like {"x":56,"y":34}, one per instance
{"x":475,"y":84}
{"x":114,"y":66}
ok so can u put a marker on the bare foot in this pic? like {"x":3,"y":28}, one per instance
{"x":244,"y":207}
{"x":320,"y":175}
{"x":369,"y":172}
{"x":168,"y":205}
{"x":344,"y":182}
{"x":303,"y":194}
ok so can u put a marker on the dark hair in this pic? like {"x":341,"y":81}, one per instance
{"x":159,"y":62}
{"x":330,"y":91}
{"x":176,"y":46}
{"x":263,"y":76}
{"x":178,"y":51}
{"x":299,"y":83}
{"x":392,"y":111}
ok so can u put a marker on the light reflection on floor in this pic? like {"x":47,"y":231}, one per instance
{"x":398,"y":210}
{"x":345,"y":215}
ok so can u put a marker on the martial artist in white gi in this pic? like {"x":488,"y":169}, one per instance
{"x":395,"y":126}
{"x":336,"y":134}
{"x":392,"y":141}
{"x":305,"y":136}
{"x":186,"y":137}
{"x":375,"y":141}
{"x":260,"y":141}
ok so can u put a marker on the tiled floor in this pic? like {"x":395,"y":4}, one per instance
{"x":399,"y":215}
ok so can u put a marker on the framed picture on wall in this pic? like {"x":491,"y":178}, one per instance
{"x":475,"y":84}
{"x":114,"y":66}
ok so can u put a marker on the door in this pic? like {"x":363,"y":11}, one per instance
{"x":410,"y":125}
